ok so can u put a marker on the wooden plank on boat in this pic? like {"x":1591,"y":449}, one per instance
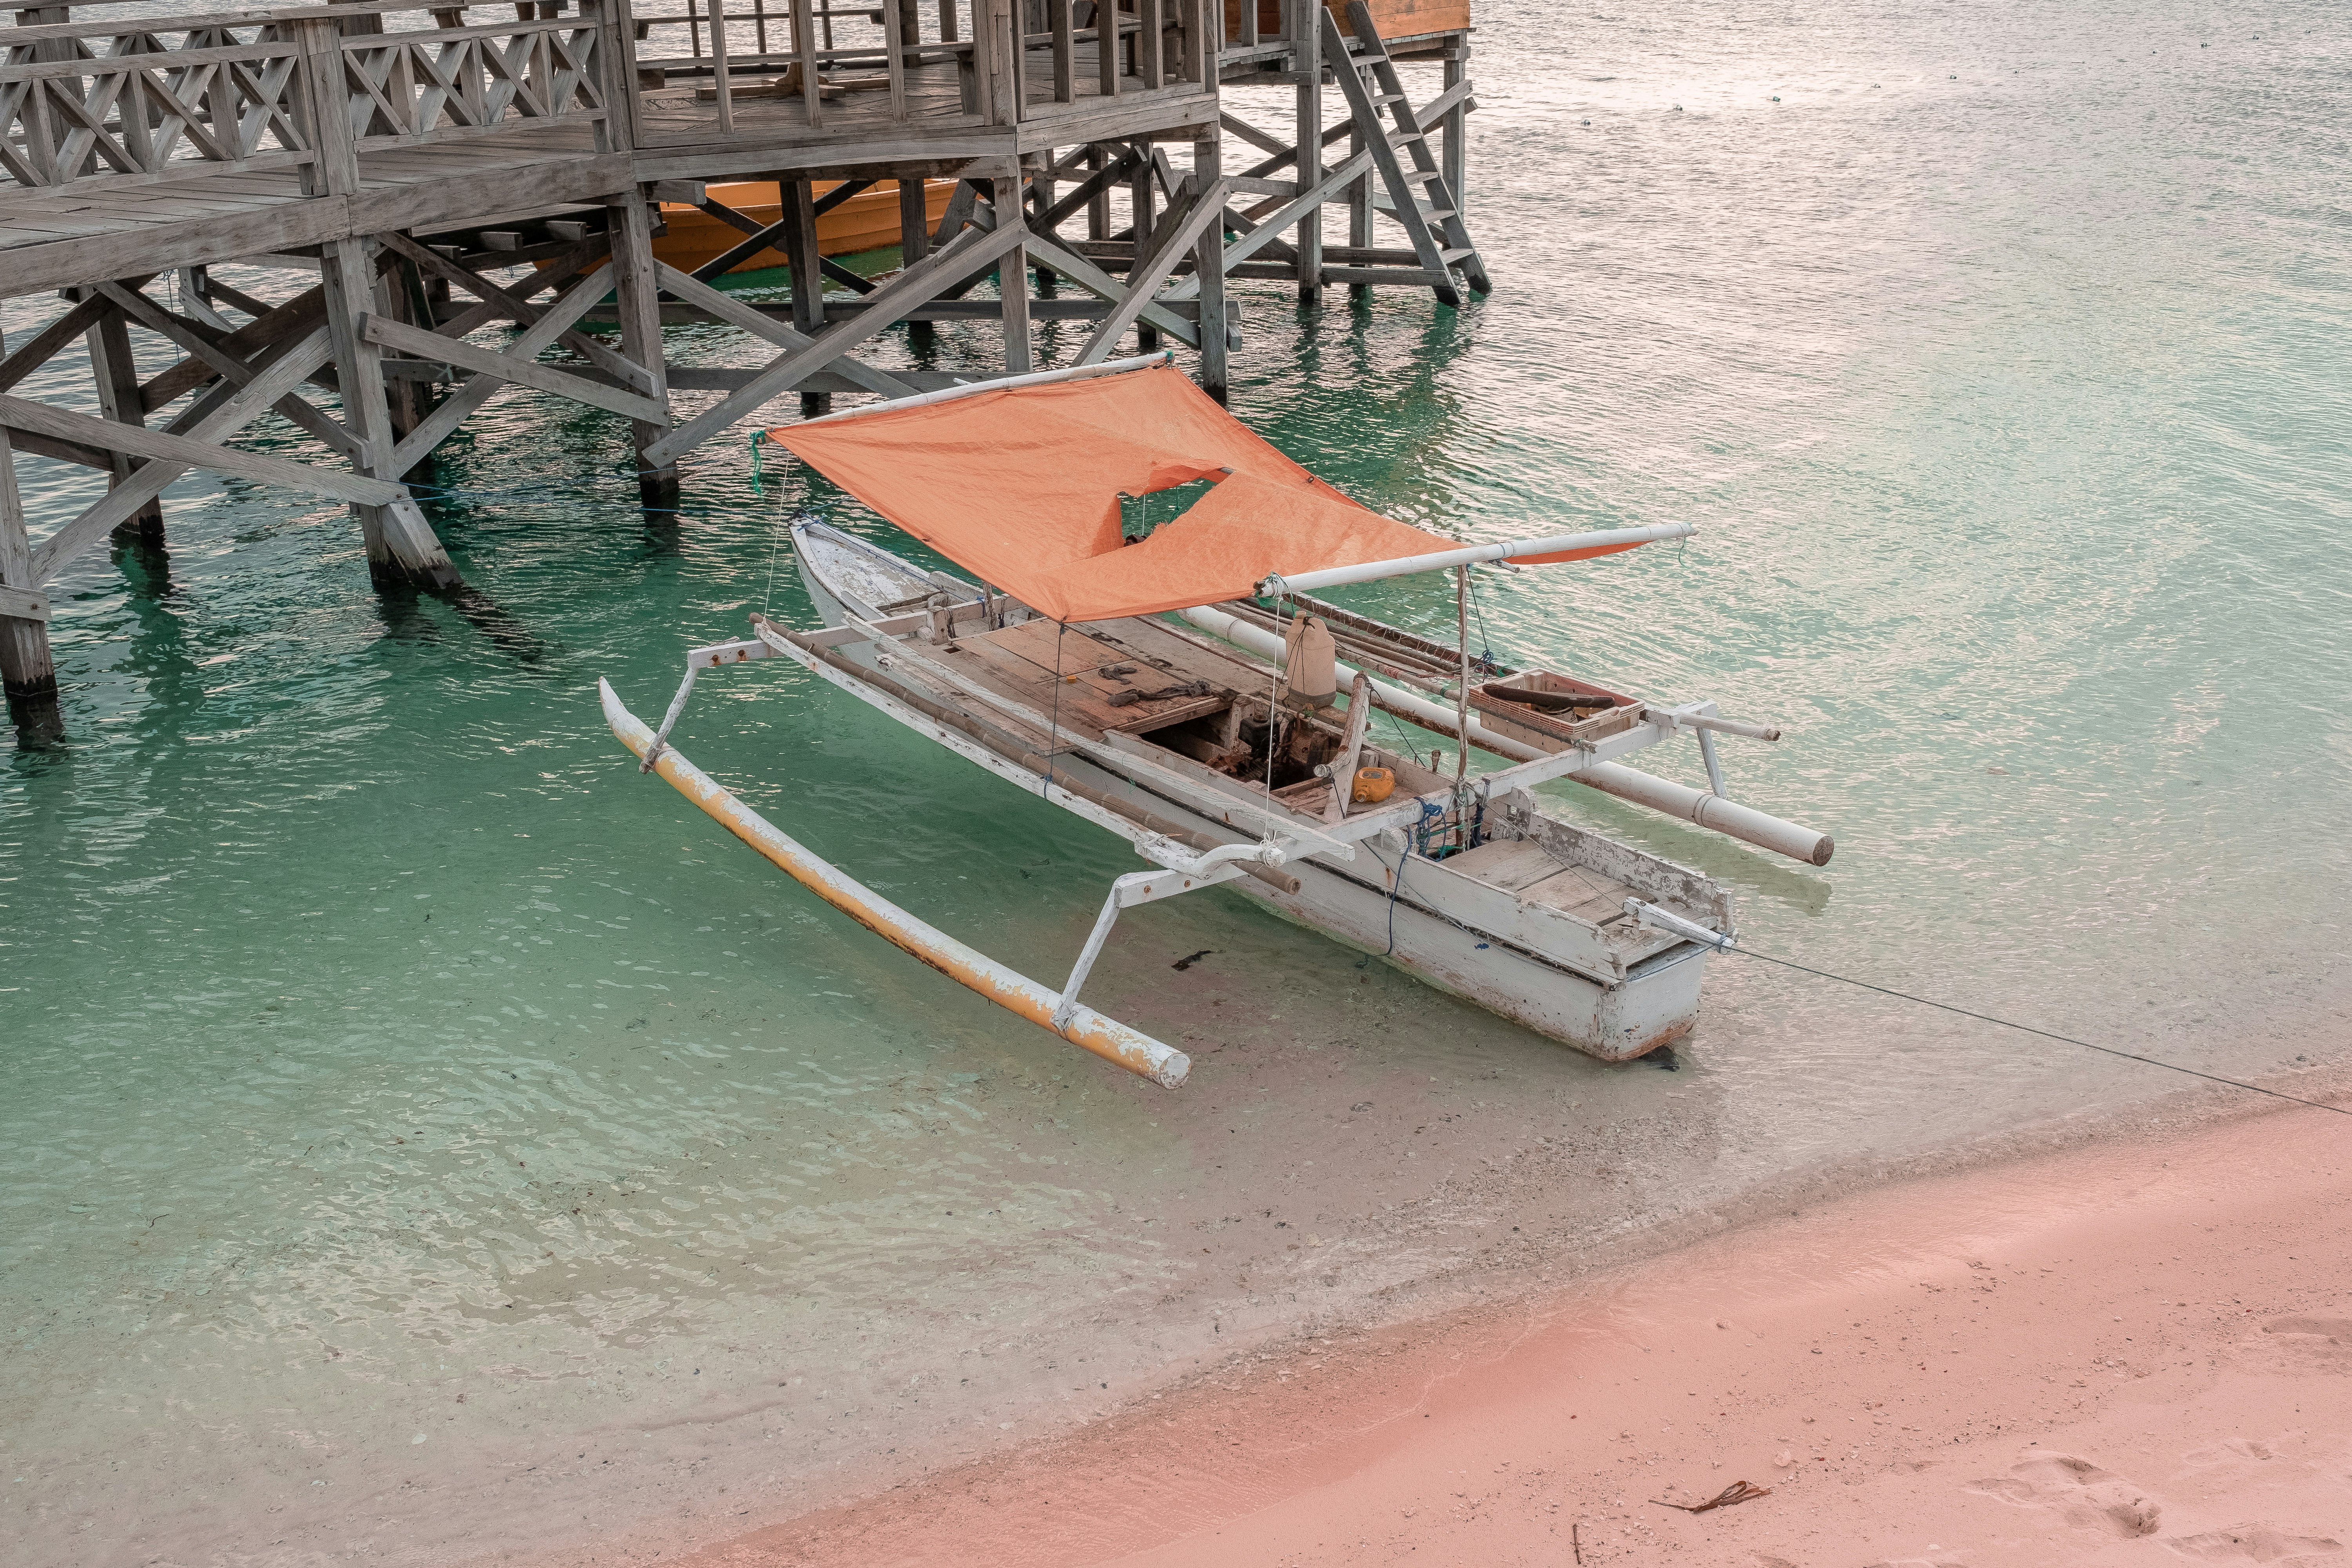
{"x":1586,"y":894}
{"x":1079,"y":701}
{"x":1509,"y":864}
{"x":1562,"y":937}
{"x":1153,"y":642}
{"x":1049,"y":647}
{"x":1687,"y":892}
{"x":1310,"y":797}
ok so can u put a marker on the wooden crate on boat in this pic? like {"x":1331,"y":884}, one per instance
{"x":1553,"y":718}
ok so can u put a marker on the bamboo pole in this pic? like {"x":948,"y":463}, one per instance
{"x":1107,"y":1038}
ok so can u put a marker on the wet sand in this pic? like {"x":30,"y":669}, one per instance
{"x":2139,"y":1352}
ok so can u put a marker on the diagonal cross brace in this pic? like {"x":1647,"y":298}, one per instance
{"x":735,"y":313}
{"x":138,"y":442}
{"x":149,"y":481}
{"x":966,"y":254}
{"x":435,"y":427}
{"x":206,"y":349}
{"x":772,"y":235}
{"x":1094,"y":279}
{"x":517,"y":311}
{"x":385,"y":333}
{"x":1169,"y":244}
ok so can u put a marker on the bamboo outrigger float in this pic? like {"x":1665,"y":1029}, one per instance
{"x":1215,"y":742}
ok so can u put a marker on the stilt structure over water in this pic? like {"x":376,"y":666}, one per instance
{"x":395,"y":163}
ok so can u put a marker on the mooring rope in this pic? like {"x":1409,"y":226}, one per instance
{"x":2045,"y":1034}
{"x":775,"y":543}
{"x":1486,"y":642}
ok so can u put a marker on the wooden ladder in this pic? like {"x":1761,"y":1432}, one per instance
{"x":1431,"y":213}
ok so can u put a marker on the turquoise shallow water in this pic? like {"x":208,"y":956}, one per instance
{"x":376,"y":1037}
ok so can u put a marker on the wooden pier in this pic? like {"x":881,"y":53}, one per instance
{"x":415,"y":173}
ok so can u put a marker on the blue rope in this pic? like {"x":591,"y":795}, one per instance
{"x":1430,"y":812}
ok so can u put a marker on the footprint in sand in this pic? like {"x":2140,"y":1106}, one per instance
{"x":2234,"y":1451}
{"x":2080,"y":1493}
{"x":2246,"y":1459}
{"x":2309,"y":1343}
{"x":2259,"y":1543}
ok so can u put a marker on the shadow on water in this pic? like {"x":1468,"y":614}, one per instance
{"x":404,"y":620}
{"x":158,"y":649}
{"x":501,"y":629}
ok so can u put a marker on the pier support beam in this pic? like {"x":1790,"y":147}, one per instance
{"x":1453,"y":145}
{"x":1139,"y":192}
{"x":116,"y":373}
{"x":28,"y":673}
{"x":1359,"y":207}
{"x":1305,"y":17}
{"x":799,"y":217}
{"x":637,"y":296}
{"x":1209,"y":264}
{"x":915,"y":241}
{"x":1012,"y":281}
{"x":400,"y":548}
{"x":400,"y":295}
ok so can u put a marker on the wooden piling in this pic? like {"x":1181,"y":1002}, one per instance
{"x":798,"y":199}
{"x":1013,"y":281}
{"x":1209,"y":266}
{"x":401,"y":551}
{"x":116,"y":373}
{"x":630,"y":231}
{"x":1305,"y":27}
{"x":28,"y":674}
{"x":1141,"y":190}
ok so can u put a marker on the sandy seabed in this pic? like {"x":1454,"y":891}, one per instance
{"x":2136,"y":1352}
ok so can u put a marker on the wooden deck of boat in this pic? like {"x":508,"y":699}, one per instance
{"x":1524,"y":866}
{"x":1070,"y":676}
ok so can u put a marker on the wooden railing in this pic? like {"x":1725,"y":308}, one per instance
{"x":155,"y":97}
{"x":165,"y":96}
{"x":825,"y":58}
{"x":148,"y":99}
{"x":414,"y":85}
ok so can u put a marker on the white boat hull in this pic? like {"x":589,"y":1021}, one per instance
{"x":1428,"y":930}
{"x":1654,"y":1005}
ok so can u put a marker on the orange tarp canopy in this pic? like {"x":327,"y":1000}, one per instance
{"x":1021,"y":487}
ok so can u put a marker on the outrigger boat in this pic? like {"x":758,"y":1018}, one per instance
{"x":1178,"y":690}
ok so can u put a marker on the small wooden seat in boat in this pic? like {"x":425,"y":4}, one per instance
{"x":1524,"y":866}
